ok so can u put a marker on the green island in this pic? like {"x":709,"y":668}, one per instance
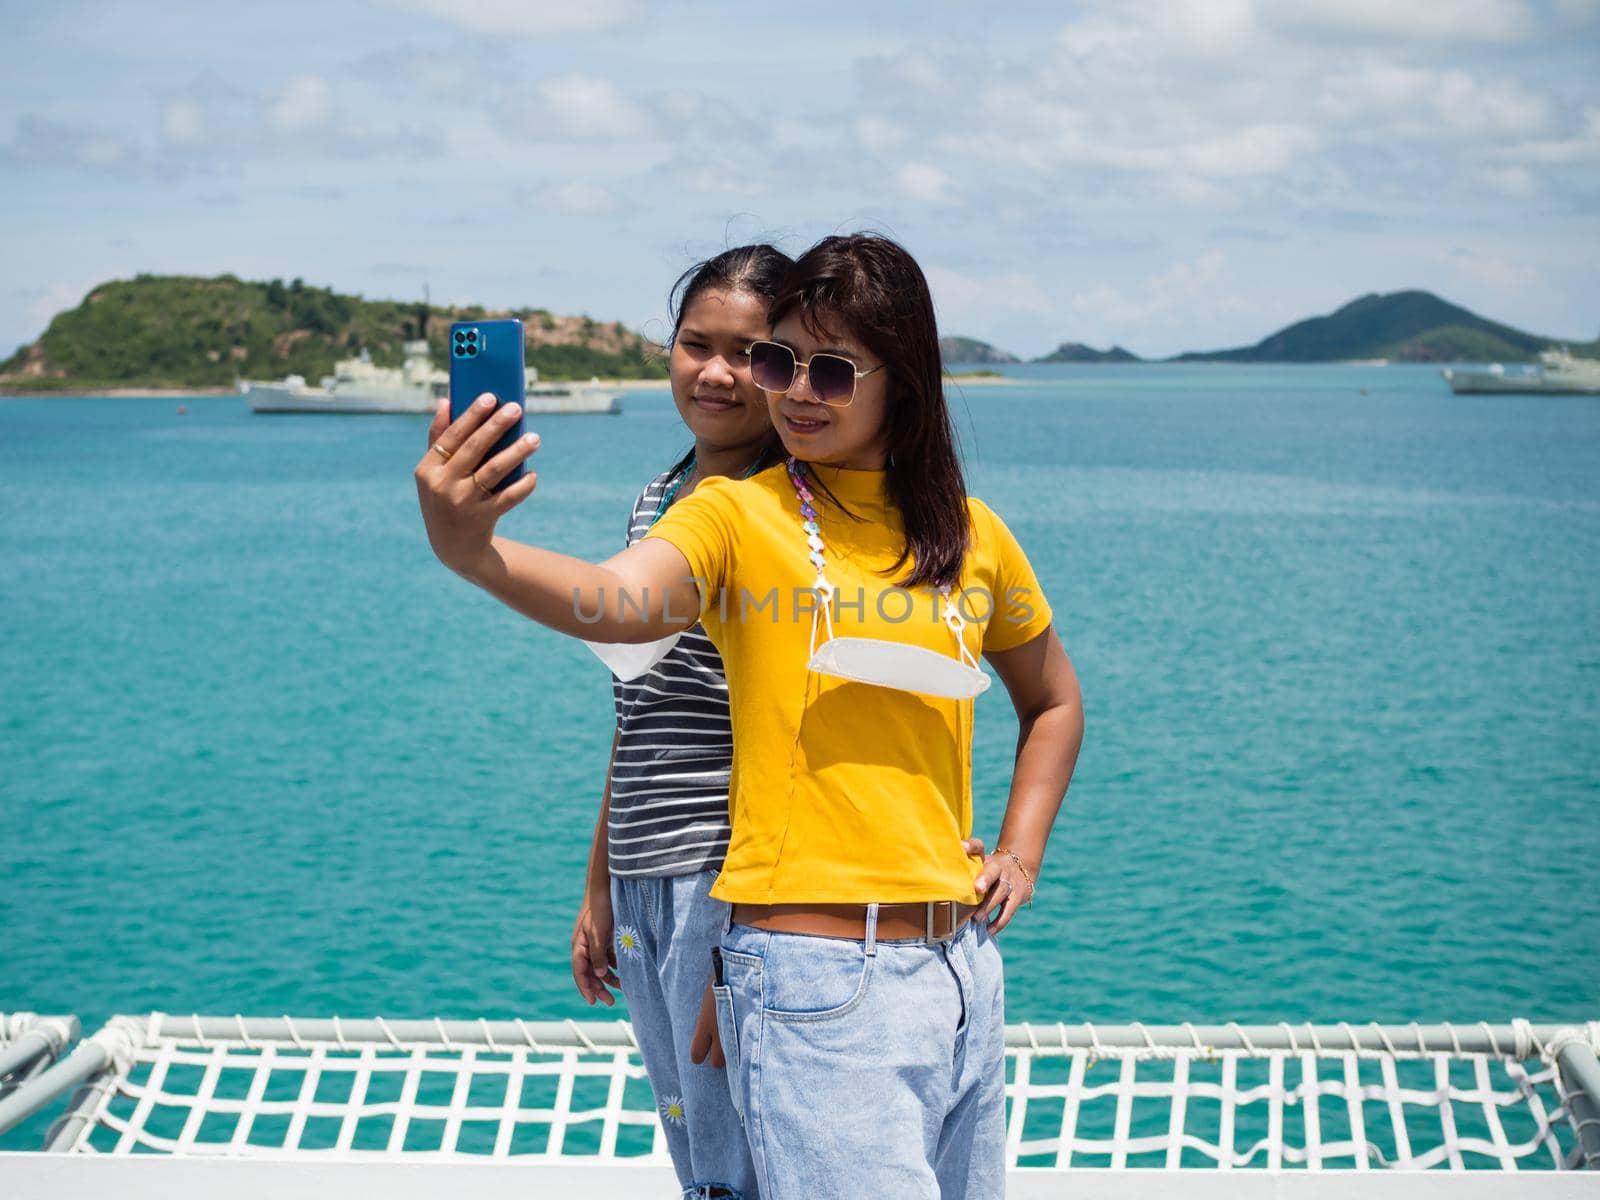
{"x":1411,"y":326}
{"x":1077,"y":352}
{"x":179,"y":332}
{"x":186,"y":332}
{"x":971,"y":350}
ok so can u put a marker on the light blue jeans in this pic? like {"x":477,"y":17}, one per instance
{"x":665,"y":929}
{"x":867,"y":1068}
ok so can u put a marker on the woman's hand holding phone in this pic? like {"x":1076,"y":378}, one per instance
{"x":456,"y":478}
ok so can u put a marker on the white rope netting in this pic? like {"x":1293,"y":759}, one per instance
{"x":246,"y":1096}
{"x":1279,"y":1109}
{"x":1090,"y":1102}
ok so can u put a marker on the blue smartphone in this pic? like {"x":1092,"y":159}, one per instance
{"x":486,"y":356}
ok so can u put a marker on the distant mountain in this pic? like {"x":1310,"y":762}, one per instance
{"x":1077,"y":352}
{"x":971,"y":350}
{"x":1401,"y":326}
{"x":182,"y":331}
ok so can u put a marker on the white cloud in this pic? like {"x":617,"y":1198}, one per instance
{"x":183,"y":123}
{"x":58,"y":298}
{"x":1209,"y":28}
{"x":877,"y":134}
{"x":1421,"y":20}
{"x":589,"y":108}
{"x":1234,"y":104}
{"x":1430,"y":105}
{"x":690,"y":115}
{"x":1258,"y":150}
{"x":701,"y":178}
{"x":970,"y":304}
{"x":1516,"y":183}
{"x":212,"y":123}
{"x":916,"y":70}
{"x":1189,"y":280}
{"x":1138,"y":30}
{"x":105,"y":150}
{"x":1099,"y":37}
{"x":39,"y":141}
{"x":1028,"y":122}
{"x":924,"y":182}
{"x":1357,"y":137}
{"x":1254,"y":150}
{"x":580,"y":196}
{"x":445,"y":77}
{"x":525,"y":16}
{"x":1581,"y":148}
{"x":304,"y":105}
{"x":1194,"y":192}
{"x":1184,"y":288}
{"x":1496,"y":274}
{"x":789,"y":132}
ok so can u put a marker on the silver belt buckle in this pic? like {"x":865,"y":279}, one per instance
{"x":938,"y":939}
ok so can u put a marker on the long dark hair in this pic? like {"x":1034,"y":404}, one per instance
{"x":872,"y":287}
{"x":757,"y":269}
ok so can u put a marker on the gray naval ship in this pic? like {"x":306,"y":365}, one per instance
{"x":358,"y":385}
{"x":1558,"y":372}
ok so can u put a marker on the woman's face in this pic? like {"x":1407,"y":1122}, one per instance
{"x":854,"y":436}
{"x":710,"y":370}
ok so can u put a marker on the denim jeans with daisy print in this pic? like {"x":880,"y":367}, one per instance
{"x":665,"y":930}
{"x":870,"y":1068}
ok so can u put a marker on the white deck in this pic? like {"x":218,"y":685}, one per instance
{"x":72,"y":1177}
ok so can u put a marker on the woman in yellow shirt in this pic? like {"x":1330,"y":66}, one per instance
{"x":849,"y":591}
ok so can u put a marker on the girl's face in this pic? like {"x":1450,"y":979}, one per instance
{"x":854,"y":436}
{"x":710,"y":370}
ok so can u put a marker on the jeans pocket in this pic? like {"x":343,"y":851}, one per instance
{"x":806,"y":978}
{"x":728,"y":1034}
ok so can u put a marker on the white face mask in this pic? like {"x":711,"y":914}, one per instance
{"x":878,"y":661}
{"x":629,"y":660}
{"x":899,"y":665}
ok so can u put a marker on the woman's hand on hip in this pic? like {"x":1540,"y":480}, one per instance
{"x":1005,"y":888}
{"x":456,"y":478}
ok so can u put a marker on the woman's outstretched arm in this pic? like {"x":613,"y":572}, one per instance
{"x":1044,"y":690}
{"x":639,"y":595}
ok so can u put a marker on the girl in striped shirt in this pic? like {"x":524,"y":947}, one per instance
{"x":663,"y":826}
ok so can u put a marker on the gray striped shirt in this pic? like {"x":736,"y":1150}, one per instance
{"x":669,"y":776}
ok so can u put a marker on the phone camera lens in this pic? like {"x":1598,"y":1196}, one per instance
{"x":472,"y":336}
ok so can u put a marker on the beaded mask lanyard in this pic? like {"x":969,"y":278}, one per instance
{"x":953,"y":619}
{"x":671,"y":492}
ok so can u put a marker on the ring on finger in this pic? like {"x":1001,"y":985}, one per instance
{"x":443,"y":453}
{"x":478,"y":483}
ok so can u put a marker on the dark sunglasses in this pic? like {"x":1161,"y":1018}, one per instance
{"x":833,"y":378}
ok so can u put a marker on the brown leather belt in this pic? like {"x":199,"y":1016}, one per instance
{"x":935,"y":921}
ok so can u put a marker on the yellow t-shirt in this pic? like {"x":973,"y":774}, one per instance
{"x":842,"y":792}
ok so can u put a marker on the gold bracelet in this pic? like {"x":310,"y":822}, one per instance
{"x":1032,"y":887}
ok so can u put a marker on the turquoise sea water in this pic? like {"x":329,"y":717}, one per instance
{"x":1338,"y":633}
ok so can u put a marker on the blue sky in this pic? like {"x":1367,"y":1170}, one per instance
{"x":1162,"y":174}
